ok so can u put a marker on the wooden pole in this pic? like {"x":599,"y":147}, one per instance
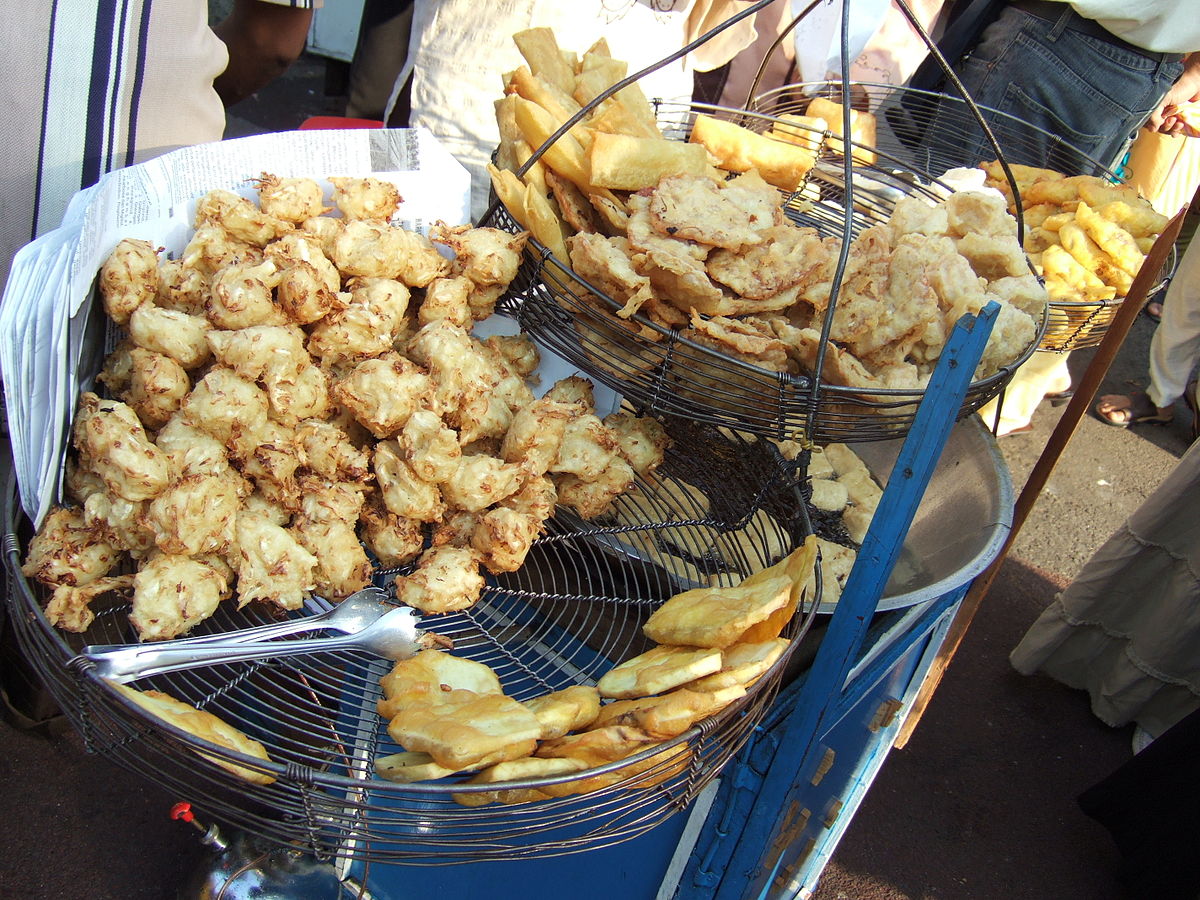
{"x":1059,"y":438}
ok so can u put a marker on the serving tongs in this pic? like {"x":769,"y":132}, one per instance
{"x":366,"y":621}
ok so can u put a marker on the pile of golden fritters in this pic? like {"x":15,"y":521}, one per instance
{"x":1086,"y":235}
{"x":693,"y":237}
{"x":300,"y":399}
{"x":744,"y":280}
{"x":451,"y":715}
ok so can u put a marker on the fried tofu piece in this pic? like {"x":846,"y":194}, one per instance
{"x":408,"y":766}
{"x":671,"y":714}
{"x":741,"y":664}
{"x":657,"y":670}
{"x":716,"y":617}
{"x":435,"y":669}
{"x":513,"y":770}
{"x":461,"y":729}
{"x":205,"y":726}
{"x":570,"y":709}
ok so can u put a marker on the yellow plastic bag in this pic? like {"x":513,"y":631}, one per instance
{"x":1165,"y":168}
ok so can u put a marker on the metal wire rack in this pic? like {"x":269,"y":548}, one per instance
{"x":666,"y":372}
{"x":931,"y":132}
{"x":721,"y":506}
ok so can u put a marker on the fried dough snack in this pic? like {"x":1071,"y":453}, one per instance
{"x":128,"y":278}
{"x":1086,"y":236}
{"x":298,"y":402}
{"x":205,"y":726}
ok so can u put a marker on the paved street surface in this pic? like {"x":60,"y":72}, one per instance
{"x":979,"y":805}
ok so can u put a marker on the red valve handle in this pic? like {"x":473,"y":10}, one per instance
{"x":182,"y":811}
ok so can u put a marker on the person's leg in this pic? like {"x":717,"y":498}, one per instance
{"x":1175,"y":347}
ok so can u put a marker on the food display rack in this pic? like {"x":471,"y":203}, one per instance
{"x":756,"y":812}
{"x":664,"y":372}
{"x":769,"y":825}
{"x":568,"y":615}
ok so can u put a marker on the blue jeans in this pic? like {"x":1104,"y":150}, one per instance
{"x":1083,"y":93}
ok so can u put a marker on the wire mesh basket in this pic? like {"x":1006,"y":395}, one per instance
{"x":931,"y":132}
{"x":720,"y":507}
{"x":667,"y":372}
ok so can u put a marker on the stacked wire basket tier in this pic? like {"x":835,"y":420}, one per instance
{"x":719,"y":508}
{"x":932,"y":132}
{"x":665,"y":371}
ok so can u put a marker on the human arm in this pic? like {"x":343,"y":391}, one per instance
{"x":1185,"y":90}
{"x":263,"y":40}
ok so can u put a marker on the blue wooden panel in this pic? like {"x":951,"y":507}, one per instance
{"x":632,"y":870}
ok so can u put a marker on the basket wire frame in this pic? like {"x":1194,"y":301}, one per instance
{"x":577,"y":320}
{"x":720,"y":507}
{"x":929,"y":132}
{"x":673,"y":375}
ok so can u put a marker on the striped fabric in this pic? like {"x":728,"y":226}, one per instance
{"x":94,"y":85}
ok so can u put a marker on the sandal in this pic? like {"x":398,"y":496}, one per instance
{"x":1121,"y":411}
{"x":1153,"y":311}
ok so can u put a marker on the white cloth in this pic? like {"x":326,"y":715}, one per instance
{"x":1127,"y":629}
{"x":1042,"y":373}
{"x":1175,"y":347}
{"x":1163,"y":26}
{"x":460,"y":49}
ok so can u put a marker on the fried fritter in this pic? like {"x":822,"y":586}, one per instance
{"x":172,"y":593}
{"x":111,"y":436}
{"x":128,"y":278}
{"x":289,"y":199}
{"x":66,"y":550}
{"x":447,"y":579}
{"x":383,"y":392}
{"x":371,"y":199}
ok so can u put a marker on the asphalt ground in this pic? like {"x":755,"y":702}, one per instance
{"x":980,"y":804}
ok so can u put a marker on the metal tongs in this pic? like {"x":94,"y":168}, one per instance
{"x":365,"y":620}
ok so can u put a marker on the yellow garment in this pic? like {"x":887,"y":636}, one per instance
{"x":1165,"y":168}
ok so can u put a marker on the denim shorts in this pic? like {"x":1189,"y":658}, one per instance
{"x":1084,"y":93}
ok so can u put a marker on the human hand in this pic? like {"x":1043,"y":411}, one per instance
{"x":1167,"y":118}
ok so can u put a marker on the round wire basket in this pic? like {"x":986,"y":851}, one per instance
{"x":932,"y":132}
{"x":720,"y":506}
{"x":666,"y":372}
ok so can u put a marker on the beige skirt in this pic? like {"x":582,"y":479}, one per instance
{"x":1127,"y":630}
